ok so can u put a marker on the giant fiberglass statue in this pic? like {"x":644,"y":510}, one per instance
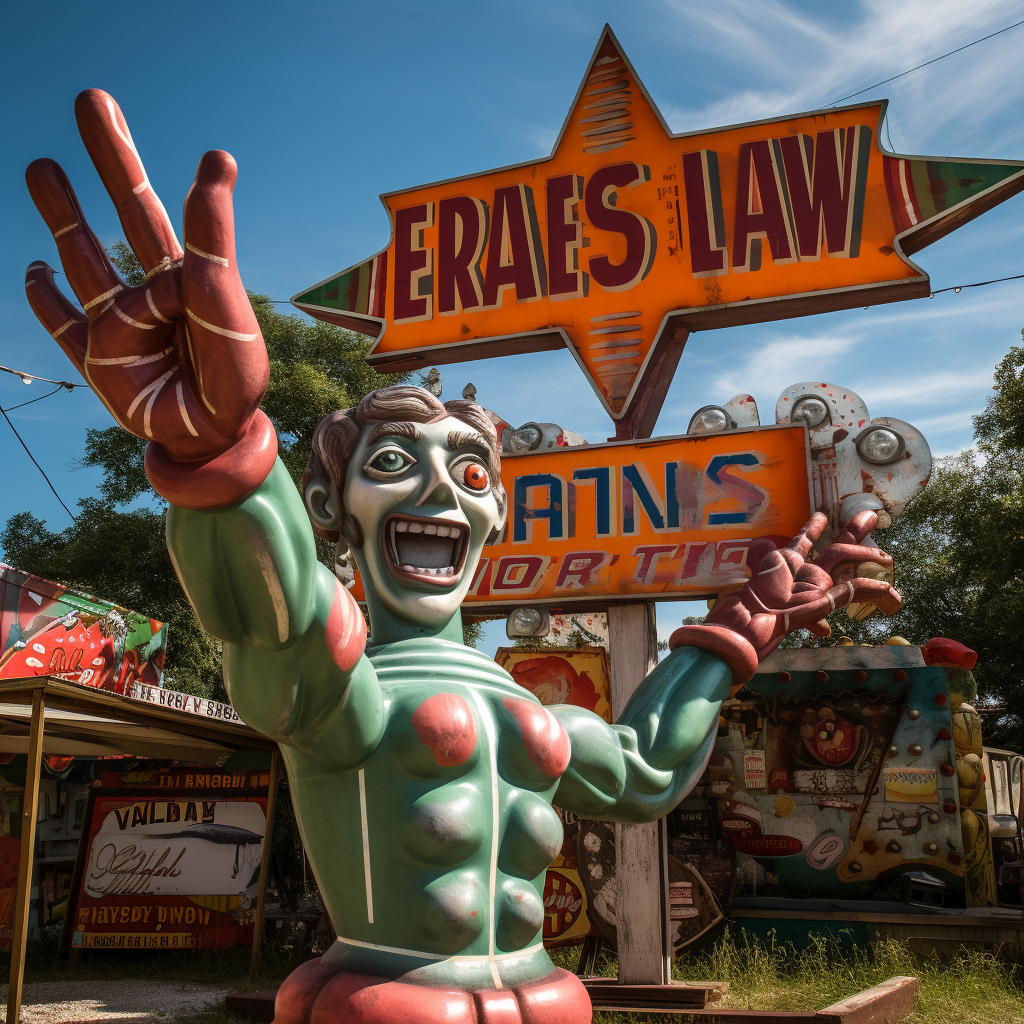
{"x":423,"y":776}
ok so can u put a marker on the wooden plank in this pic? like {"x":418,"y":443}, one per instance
{"x":261,"y":895}
{"x":639,"y":905}
{"x":646,"y":997}
{"x":890,"y":1001}
{"x":30,"y":810}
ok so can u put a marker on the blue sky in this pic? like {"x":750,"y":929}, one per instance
{"x":327,"y":104}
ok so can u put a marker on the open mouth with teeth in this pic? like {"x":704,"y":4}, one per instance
{"x":426,"y":550}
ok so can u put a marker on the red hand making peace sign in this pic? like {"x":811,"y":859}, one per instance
{"x":179,"y":359}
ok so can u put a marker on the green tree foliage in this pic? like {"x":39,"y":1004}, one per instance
{"x":959,"y":559}
{"x":116,"y":548}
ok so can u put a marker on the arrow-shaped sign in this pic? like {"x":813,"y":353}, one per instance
{"x":627,"y":237}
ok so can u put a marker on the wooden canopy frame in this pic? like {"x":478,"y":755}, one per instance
{"x":85,"y":717}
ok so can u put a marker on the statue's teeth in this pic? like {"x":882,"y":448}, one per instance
{"x":430,"y":529}
{"x":401,"y":526}
{"x":415,"y":527}
{"x":442,"y":531}
{"x":408,"y":568}
{"x":454,"y":532}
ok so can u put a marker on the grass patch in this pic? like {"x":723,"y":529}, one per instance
{"x":970,"y":987}
{"x":967,"y":988}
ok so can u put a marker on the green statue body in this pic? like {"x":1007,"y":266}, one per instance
{"x":423,"y":776}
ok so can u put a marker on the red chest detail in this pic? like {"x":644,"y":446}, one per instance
{"x":445,"y":723}
{"x":545,"y":740}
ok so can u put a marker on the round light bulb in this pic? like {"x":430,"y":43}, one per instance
{"x":525,"y":439}
{"x":880,"y":445}
{"x":525,"y":621}
{"x":810,"y":410}
{"x":711,"y":420}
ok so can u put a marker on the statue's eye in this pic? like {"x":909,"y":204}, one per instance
{"x":389,"y":462}
{"x":475,"y":477}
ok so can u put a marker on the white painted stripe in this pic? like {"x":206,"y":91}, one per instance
{"x":615,"y":355}
{"x":492,"y":877}
{"x":273,"y":581}
{"x":128,"y":320}
{"x":420,"y":954}
{"x":130,"y":360}
{"x":63,"y":327}
{"x":906,"y":193}
{"x":106,"y":295}
{"x":64,"y":231}
{"x":233,"y":335}
{"x":222,"y":260}
{"x":152,"y":307}
{"x":152,"y":390}
{"x":139,"y":189}
{"x":184,"y":412}
{"x":368,"y":881}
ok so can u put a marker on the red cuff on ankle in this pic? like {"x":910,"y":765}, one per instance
{"x":220,"y":480}
{"x":736,"y":651}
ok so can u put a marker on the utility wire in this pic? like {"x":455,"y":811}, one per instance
{"x":977,"y":284}
{"x":21,"y":405}
{"x":36,"y":464}
{"x":26,"y":377}
{"x":884,"y":81}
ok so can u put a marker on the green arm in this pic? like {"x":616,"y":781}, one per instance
{"x":639,"y":769}
{"x":251,"y":574}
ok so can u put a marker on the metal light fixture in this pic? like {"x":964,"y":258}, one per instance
{"x":711,"y":419}
{"x":525,"y":439}
{"x":526,"y":621}
{"x":810,"y":410}
{"x":880,"y":445}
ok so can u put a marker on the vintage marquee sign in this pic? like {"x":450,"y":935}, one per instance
{"x":628,"y":237}
{"x":662,"y":519}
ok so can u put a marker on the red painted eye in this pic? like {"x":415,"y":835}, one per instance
{"x":476,"y":477}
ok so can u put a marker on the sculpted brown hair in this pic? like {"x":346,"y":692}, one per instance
{"x":337,"y":435}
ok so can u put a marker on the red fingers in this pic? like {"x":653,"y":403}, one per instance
{"x":89,"y":270}
{"x":838,"y":554}
{"x":858,"y":527}
{"x":805,"y":540}
{"x":109,"y":142}
{"x":225,"y":346}
{"x":61,"y":319}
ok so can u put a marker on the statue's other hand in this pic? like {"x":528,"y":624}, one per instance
{"x":178,"y":359}
{"x":788,"y":592}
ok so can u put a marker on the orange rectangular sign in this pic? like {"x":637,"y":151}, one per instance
{"x":666,"y":519}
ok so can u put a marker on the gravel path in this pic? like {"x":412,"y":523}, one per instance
{"x":126,"y":1002}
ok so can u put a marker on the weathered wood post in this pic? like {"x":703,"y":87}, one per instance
{"x":644,"y":956}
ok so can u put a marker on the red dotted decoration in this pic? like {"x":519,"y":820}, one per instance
{"x":954,"y":858}
{"x":821,"y":675}
{"x":784,"y":677}
{"x":946,"y":769}
{"x":944,"y":734}
{"x":476,"y":477}
{"x":940,"y":699}
{"x":949,"y":806}
{"x":899,"y":675}
{"x":861,"y":677}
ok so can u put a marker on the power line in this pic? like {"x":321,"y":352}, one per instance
{"x":927,"y":62}
{"x":27,"y":378}
{"x":21,"y":405}
{"x":36,"y":464}
{"x":977,"y":284}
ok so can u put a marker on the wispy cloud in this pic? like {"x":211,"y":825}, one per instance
{"x":923,"y":389}
{"x":788,"y":62}
{"x":782,"y":361}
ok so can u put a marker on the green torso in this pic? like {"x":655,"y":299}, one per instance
{"x":439,"y":860}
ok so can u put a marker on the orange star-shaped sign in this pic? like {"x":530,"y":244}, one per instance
{"x":627,"y":237}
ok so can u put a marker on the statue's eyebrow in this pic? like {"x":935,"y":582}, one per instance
{"x":469,"y":439}
{"x":409,"y":430}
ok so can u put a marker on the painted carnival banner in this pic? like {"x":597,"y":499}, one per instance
{"x":627,"y":236}
{"x":580,"y":677}
{"x":169,"y":868}
{"x":51,"y":630}
{"x":186,"y":702}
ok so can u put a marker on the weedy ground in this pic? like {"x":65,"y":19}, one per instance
{"x":969,"y":987}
